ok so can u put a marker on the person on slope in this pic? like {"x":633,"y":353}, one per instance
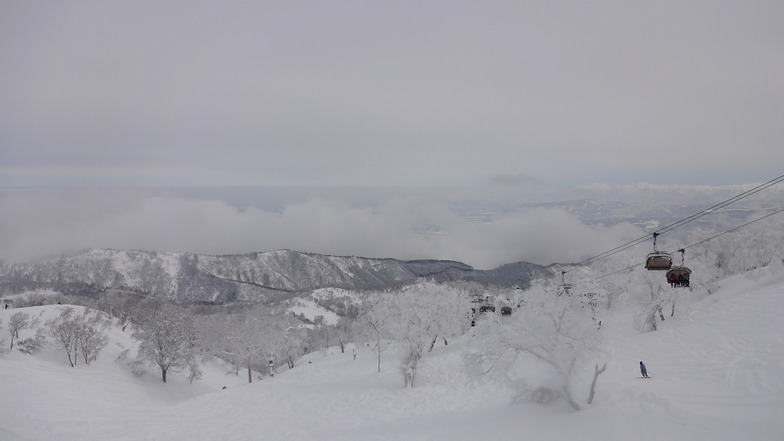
{"x":643,"y":370}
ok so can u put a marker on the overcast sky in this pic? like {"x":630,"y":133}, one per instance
{"x":468,"y":94}
{"x":424,"y":93}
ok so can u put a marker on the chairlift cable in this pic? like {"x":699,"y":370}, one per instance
{"x":780,"y":210}
{"x":735,"y":229}
{"x":707,"y":211}
{"x":614,"y":250}
{"x":682,"y":222}
{"x":616,"y":272}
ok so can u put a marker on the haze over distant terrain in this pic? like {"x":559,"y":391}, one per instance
{"x":483,"y":227}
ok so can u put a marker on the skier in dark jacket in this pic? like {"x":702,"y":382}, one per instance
{"x":643,"y":370}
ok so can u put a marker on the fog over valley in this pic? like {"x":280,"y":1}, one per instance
{"x":483,"y":227}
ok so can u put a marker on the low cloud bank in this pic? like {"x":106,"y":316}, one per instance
{"x":46,"y":223}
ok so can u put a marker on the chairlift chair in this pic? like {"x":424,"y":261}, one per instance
{"x":678,"y":277}
{"x":658,"y":260}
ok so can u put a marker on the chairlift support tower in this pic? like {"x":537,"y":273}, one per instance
{"x":564,"y":288}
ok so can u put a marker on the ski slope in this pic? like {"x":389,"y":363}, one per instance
{"x":717,"y":367}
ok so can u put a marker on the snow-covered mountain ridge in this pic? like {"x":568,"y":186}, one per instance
{"x":211,"y":279}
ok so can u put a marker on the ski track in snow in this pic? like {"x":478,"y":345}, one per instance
{"x":717,"y":367}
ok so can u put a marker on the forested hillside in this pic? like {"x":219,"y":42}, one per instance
{"x":257,"y":277}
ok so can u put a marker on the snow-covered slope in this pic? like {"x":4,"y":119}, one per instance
{"x":717,"y":367}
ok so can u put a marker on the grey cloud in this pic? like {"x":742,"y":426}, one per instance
{"x":505,"y":179}
{"x":357,"y":93}
{"x":46,"y":223}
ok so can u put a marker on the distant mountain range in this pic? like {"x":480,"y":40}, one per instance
{"x":639,"y":204}
{"x":275,"y":275}
{"x":258,"y":277}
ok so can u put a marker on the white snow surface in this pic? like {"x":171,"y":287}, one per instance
{"x":717,"y":368}
{"x":311,"y":310}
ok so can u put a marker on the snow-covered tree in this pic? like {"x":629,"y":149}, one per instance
{"x":344,"y":332}
{"x":448,"y":308}
{"x":373,"y":320}
{"x":166,"y":335}
{"x":418,"y":315}
{"x":64,"y":330}
{"x":755,"y":246}
{"x":550,"y":333}
{"x":321,"y":333}
{"x":91,"y":335}
{"x":16,"y":323}
{"x":292,"y":342}
{"x":120,"y":304}
{"x":411,"y":326}
{"x":249,"y":340}
{"x":246,"y":339}
{"x":75,"y":332}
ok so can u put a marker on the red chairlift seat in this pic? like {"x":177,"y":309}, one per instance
{"x":678,"y":277}
{"x":658,"y":261}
